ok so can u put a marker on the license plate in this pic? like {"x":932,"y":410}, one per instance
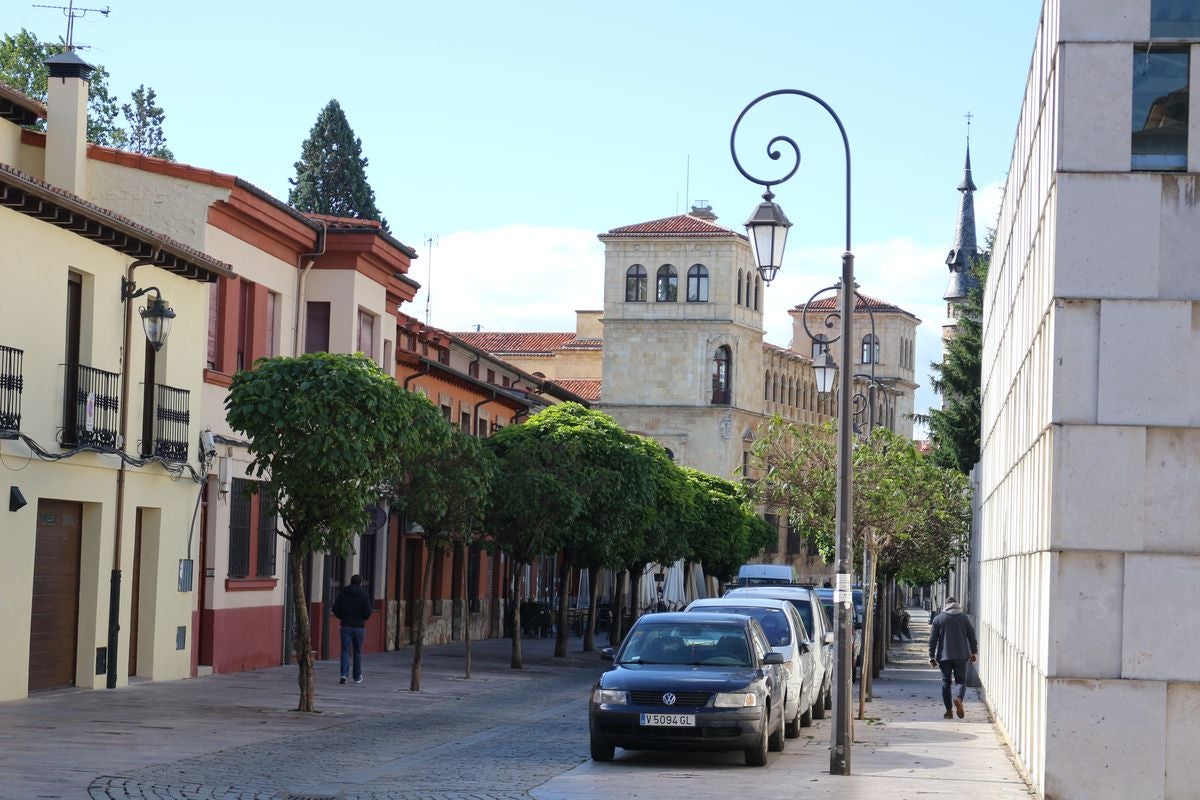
{"x":669,"y":720}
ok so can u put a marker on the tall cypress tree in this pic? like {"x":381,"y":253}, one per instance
{"x":145,"y":124}
{"x":955,"y":429}
{"x":331,"y":175}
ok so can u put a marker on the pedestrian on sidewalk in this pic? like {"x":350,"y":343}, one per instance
{"x":952,"y":644}
{"x":353,"y":609}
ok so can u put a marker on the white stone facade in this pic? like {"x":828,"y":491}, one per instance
{"x":1090,"y":430}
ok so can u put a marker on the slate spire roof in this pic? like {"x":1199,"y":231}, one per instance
{"x":965,"y":249}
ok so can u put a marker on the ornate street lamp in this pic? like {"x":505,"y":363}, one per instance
{"x":156,"y":316}
{"x":768,"y":229}
{"x":843,"y":598}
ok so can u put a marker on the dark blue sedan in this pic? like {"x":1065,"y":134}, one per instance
{"x":690,"y":681}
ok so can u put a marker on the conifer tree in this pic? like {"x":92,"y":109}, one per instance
{"x":331,"y":176}
{"x":955,"y":429}
{"x":145,"y":125}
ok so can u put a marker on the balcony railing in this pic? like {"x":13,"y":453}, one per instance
{"x":90,"y":407}
{"x":11,"y":383}
{"x":169,"y":434}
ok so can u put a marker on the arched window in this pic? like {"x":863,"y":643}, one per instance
{"x":635,"y":284}
{"x":775,"y":389}
{"x":739,"y":288}
{"x":697,"y":286}
{"x":749,"y":283}
{"x":870,"y":349}
{"x":757,"y":289}
{"x":767,"y":386}
{"x":667,"y":286}
{"x":722,"y":369}
{"x":819,"y":343}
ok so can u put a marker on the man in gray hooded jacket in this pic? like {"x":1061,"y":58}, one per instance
{"x":952,"y":644}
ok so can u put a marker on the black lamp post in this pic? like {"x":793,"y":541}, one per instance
{"x":157,"y":315}
{"x":768,"y":225}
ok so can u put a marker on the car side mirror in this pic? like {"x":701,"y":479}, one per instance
{"x":804,"y":648}
{"x":606,"y":654}
{"x":858,"y":624}
{"x":772,"y":658}
{"x":828,"y":637}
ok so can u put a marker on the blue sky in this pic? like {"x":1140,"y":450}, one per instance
{"x":513,"y":134}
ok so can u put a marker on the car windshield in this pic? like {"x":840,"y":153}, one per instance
{"x":698,"y":644}
{"x":772,"y":620}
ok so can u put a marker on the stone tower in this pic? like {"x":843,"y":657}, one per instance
{"x":962,"y":254}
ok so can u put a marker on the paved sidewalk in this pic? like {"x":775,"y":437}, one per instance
{"x":504,"y":734}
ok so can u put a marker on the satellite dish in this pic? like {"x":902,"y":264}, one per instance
{"x":378,"y":518}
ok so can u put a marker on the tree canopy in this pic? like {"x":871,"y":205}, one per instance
{"x":23,"y":67}
{"x":331,"y":175}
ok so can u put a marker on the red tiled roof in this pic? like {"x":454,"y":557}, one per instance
{"x":862,"y":303}
{"x":344,"y":222}
{"x":517,"y":343}
{"x":682,"y":225}
{"x":584,"y":344}
{"x":587,"y":388}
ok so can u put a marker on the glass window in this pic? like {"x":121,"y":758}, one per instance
{"x":739,"y":288}
{"x":1160,"y":110}
{"x":720,"y":376}
{"x":697,"y":284}
{"x":819,"y":343}
{"x":635,"y":284}
{"x":1174,"y":18}
{"x":870,"y":349}
{"x":667,"y":287}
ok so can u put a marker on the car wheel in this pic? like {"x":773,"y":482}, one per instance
{"x":818,"y":708}
{"x":601,"y":751}
{"x":777,"y":741}
{"x":792,"y":730}
{"x":756,"y":756}
{"x":806,"y":718}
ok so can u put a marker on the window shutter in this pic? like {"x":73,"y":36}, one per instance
{"x":243,"y":303}
{"x":214,"y":307}
{"x":272,"y":298}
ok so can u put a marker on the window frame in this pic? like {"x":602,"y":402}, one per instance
{"x":636,"y":279}
{"x":1175,"y":159}
{"x":666,"y":284}
{"x":697,"y":284}
{"x":722,"y":376}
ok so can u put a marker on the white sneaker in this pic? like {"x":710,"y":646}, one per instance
{"x":358,"y":680}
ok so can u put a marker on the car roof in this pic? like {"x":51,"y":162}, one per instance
{"x":689,"y":617}
{"x":747,"y":600}
{"x":779,"y":592}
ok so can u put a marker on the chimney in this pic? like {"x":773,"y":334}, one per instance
{"x":66,"y":123}
{"x":702,"y":210}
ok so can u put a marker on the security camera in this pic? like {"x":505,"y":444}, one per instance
{"x":208,"y":445}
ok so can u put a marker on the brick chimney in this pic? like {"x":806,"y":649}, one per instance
{"x":66,"y":122}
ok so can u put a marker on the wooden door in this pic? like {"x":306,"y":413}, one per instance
{"x":54,"y":616}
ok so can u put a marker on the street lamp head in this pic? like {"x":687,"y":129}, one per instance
{"x":825,"y":369}
{"x":156,"y":320}
{"x":768,"y":229}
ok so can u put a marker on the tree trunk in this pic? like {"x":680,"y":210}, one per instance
{"x":466,"y":605}
{"x":618,"y":611}
{"x":414,"y":684}
{"x":864,"y":678}
{"x":514,"y":607}
{"x":564,"y":586}
{"x":589,"y":632}
{"x":303,"y":638}
{"x":636,"y":576}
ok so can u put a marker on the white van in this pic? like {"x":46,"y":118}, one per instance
{"x":766,"y":574}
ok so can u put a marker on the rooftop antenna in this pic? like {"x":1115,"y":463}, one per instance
{"x":430,"y":241}
{"x":72,"y":13}
{"x":687,"y":184}
{"x":969,"y":116}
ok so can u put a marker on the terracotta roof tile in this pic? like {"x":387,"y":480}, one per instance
{"x":345,"y":222}
{"x":862,"y":303}
{"x":517,"y":343}
{"x":682,"y":225}
{"x":587,"y":388}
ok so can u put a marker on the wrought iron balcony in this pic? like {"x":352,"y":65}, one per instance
{"x":165,"y":429}
{"x":90,"y":407}
{"x":11,"y":383}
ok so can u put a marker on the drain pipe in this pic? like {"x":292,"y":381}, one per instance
{"x":415,"y":375}
{"x":114,"y":586}
{"x":302,"y":273}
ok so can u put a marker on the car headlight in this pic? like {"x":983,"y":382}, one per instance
{"x":618,"y":697}
{"x":735,"y":700}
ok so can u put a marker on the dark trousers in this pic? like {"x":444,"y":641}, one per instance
{"x":956,"y":668}
{"x":352,"y":640}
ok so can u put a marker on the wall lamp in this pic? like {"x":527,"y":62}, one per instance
{"x":157,"y":315}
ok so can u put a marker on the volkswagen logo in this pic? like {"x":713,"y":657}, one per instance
{"x":668,"y":699}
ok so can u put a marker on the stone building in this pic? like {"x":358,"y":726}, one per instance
{"x":1090,"y":654}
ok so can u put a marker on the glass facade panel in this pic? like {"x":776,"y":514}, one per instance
{"x":1174,"y":19}
{"x":1160,"y":110}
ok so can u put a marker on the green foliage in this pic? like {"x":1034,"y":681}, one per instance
{"x":331,"y":175}
{"x":955,"y":429}
{"x":724,"y":532}
{"x":22,"y":66}
{"x":329,"y":433}
{"x":912,"y":514}
{"x":447,"y":485}
{"x":145,"y":121}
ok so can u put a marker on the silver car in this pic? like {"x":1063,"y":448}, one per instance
{"x":786,"y":632}
{"x":809,"y":605}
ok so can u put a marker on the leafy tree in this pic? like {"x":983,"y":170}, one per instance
{"x":331,"y":175}
{"x":328,"y":432}
{"x":22,"y":66}
{"x":445,"y":490}
{"x":145,"y":121}
{"x":955,"y":429}
{"x":725,"y":532}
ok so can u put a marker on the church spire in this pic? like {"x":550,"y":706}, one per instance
{"x":966,"y":248}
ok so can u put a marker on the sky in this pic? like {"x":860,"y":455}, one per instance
{"x":502,"y":139}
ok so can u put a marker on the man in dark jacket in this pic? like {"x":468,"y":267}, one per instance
{"x":952,"y":644}
{"x":353,"y":609}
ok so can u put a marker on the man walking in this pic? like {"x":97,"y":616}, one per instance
{"x":952,"y":644}
{"x":353,"y":609}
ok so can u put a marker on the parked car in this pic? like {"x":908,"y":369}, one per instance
{"x":826,"y":597}
{"x":787,"y":635}
{"x":765,"y":574}
{"x":806,"y":602}
{"x":690,"y":681}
